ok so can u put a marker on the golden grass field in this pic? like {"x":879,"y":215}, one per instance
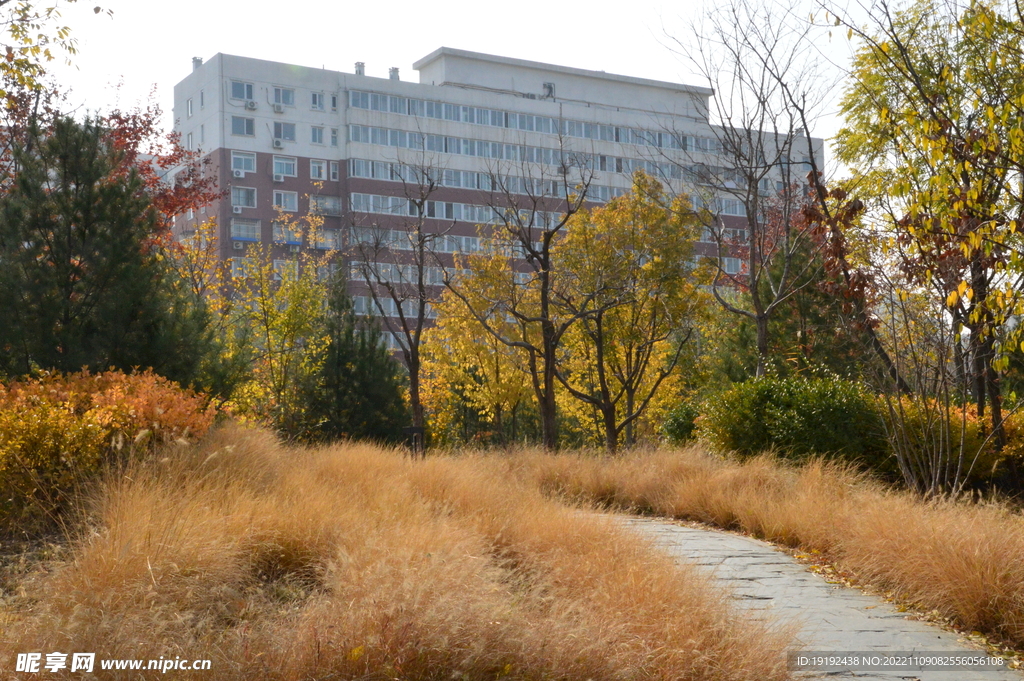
{"x":356,"y":562}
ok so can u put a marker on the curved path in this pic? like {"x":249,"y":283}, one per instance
{"x":831,"y":618}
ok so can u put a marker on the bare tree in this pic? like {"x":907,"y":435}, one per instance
{"x":533,"y":200}
{"x":760,"y":62}
{"x":398,"y":259}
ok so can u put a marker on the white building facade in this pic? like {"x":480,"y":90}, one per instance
{"x":290,"y":138}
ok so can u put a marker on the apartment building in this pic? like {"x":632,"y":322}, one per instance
{"x":291,"y":139}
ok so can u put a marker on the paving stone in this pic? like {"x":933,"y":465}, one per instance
{"x":831,"y":618}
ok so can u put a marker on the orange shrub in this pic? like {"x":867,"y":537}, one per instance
{"x":58,"y":430}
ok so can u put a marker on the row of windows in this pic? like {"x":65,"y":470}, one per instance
{"x":513,"y":152}
{"x":245,"y":126}
{"x":243,"y":267}
{"x":288,"y":166}
{"x":394,"y":273}
{"x":469,"y":179}
{"x":448,"y":210}
{"x":245,"y":197}
{"x":282,"y":95}
{"x":519,"y":121}
{"x":721,"y":206}
{"x":244,"y":229}
{"x":400,"y":240}
{"x":364,"y":306}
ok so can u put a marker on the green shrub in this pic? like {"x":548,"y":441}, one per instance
{"x":797,"y":417}
{"x":681,"y":424}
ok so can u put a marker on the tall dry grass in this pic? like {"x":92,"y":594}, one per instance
{"x":353,"y":562}
{"x":965,"y":560}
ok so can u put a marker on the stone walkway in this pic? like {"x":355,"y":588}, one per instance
{"x":832,"y":618}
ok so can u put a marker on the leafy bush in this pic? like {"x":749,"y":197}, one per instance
{"x":797,"y":417}
{"x":681,"y":423}
{"x":60,"y":430}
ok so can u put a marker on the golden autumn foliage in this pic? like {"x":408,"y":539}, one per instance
{"x":58,"y":430}
{"x":621,"y":301}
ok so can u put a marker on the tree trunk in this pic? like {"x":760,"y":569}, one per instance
{"x":515,"y":414}
{"x":978,"y":374}
{"x":611,"y":437}
{"x":548,"y":411}
{"x":418,"y":420}
{"x":762,"y":345}
{"x":630,"y":402}
{"x":994,"y":397}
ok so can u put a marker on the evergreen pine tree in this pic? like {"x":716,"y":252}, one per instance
{"x":82,"y":282}
{"x":358,"y":392}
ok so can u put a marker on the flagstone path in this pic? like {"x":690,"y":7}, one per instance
{"x":831,"y":618}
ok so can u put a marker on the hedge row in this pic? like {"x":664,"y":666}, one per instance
{"x":801,"y":417}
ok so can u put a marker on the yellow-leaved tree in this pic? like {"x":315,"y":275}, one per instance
{"x":619,"y":304}
{"x":466,"y":367}
{"x":269,"y":313}
{"x":632,"y":261}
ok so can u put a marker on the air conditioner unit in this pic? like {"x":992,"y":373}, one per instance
{"x":238,"y":173}
{"x":236,"y":210}
{"x":250,"y":105}
{"x":293,"y":248}
{"x":278,"y":143}
{"x":238,"y":246}
{"x":278,"y":178}
{"x":279,"y":108}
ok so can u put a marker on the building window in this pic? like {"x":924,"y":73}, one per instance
{"x":328,"y":239}
{"x":243,"y":196}
{"x":240,"y":125}
{"x":245,"y":230}
{"x":284,"y":131}
{"x":317,"y":101}
{"x":318,"y":170}
{"x":286,"y":165}
{"x":288,"y":201}
{"x":238,"y":266}
{"x":334,"y":171}
{"x":360,"y":100}
{"x":334,"y":102}
{"x":188,"y":141}
{"x":286,"y":270}
{"x":202,"y":99}
{"x":241,"y":90}
{"x":243,"y":161}
{"x":188,"y":108}
{"x":284,"y":96}
{"x":325,"y":205}
{"x":285,"y":234}
{"x":316,"y":135}
{"x":202,"y":134}
{"x":334,"y":137}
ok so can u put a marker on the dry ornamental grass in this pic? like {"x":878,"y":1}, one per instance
{"x":353,"y":562}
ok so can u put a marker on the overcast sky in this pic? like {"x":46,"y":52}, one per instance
{"x":148,"y":43}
